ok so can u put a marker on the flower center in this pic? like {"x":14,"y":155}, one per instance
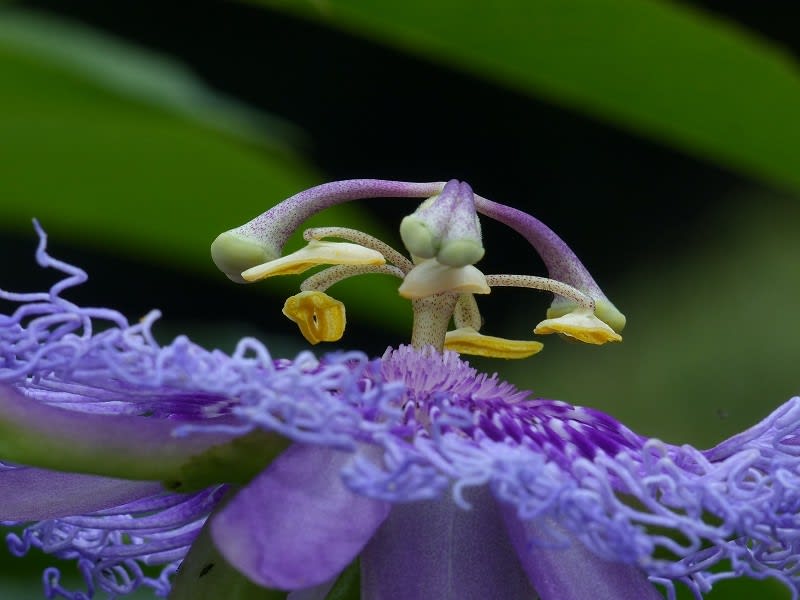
{"x":443,"y":240}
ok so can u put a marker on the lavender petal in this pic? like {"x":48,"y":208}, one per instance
{"x":436,"y":549}
{"x":36,"y":494}
{"x":296,"y":525}
{"x":561,"y":568}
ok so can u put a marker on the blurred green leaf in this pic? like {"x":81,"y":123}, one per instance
{"x":662,"y":69}
{"x":109,"y":153}
{"x":205,"y":574}
{"x":138,"y":74}
{"x":97,"y":165}
{"x":348,"y":584}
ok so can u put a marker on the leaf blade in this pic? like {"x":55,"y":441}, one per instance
{"x":663,"y":70}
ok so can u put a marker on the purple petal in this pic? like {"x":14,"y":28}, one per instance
{"x":562,"y":568}
{"x":436,"y":549}
{"x":36,"y":494}
{"x":133,"y":447}
{"x":779,"y":429}
{"x":296,"y":525}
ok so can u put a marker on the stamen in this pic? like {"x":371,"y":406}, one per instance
{"x":561,"y":262}
{"x":319,"y":317}
{"x":604,"y":310}
{"x":314,"y":254}
{"x":326,"y":278}
{"x":542,"y":283}
{"x":582,"y":325}
{"x":466,"y":340}
{"x":466,"y":313}
{"x":362,"y":239}
{"x":431,"y":277}
{"x":443,"y":236}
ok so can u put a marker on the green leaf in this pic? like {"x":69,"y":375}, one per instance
{"x":113,"y":148}
{"x":90,"y":158}
{"x":138,"y":74}
{"x":236,"y":461}
{"x":128,"y":447}
{"x":348,"y":584}
{"x":658,"y":68}
{"x":206,"y":575}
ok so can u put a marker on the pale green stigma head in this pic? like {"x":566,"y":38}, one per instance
{"x":234,"y":253}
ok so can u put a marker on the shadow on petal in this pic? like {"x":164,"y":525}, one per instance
{"x":436,"y":549}
{"x":567,"y":570}
{"x":37,"y":494}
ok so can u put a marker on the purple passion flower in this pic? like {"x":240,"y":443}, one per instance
{"x":407,"y":477}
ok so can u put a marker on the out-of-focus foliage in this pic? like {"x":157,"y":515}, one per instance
{"x":124,"y":151}
{"x":659,"y":68}
{"x":138,"y":74}
{"x":115,"y":156}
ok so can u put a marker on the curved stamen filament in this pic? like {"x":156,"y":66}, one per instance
{"x":542,"y":283}
{"x":321,"y":281}
{"x":262,"y":239}
{"x":560,"y":260}
{"x":466,"y":313}
{"x":359,"y":237}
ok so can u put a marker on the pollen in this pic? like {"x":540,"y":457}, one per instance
{"x":319,"y":317}
{"x":314,"y":254}
{"x":468,"y":341}
{"x":581,"y":324}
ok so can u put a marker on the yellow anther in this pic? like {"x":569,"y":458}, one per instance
{"x":314,"y":254}
{"x":320,"y":317}
{"x":604,"y":309}
{"x":432,"y":277}
{"x":581,"y":324}
{"x":468,"y":341}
